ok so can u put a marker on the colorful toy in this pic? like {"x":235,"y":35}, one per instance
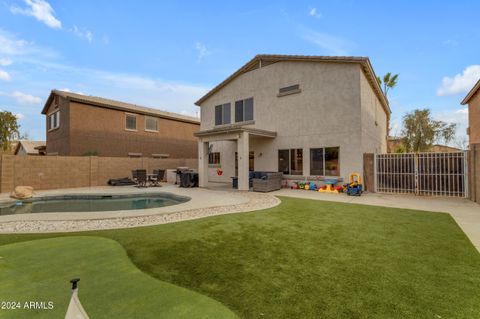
{"x":306,"y":186}
{"x":354,"y":187}
{"x":301,"y":185}
{"x":313,"y":186}
{"x":295,"y":185}
{"x":329,"y":186}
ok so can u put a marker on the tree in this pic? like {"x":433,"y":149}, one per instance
{"x":420,"y":131}
{"x":388,"y":82}
{"x":8,"y":129}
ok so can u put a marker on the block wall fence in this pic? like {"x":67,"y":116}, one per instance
{"x":52,"y":172}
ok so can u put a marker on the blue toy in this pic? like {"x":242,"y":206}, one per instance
{"x":354,"y":187}
{"x":313,"y":186}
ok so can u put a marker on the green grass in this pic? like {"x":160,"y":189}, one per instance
{"x":110,"y":286}
{"x":313,"y":259}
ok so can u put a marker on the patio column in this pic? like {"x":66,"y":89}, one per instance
{"x":202,"y":163}
{"x":242,"y":150}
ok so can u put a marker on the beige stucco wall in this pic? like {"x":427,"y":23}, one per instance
{"x":326,"y":113}
{"x":374,"y":119}
{"x":474,"y":119}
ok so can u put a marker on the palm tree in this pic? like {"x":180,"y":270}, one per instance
{"x":389,"y":82}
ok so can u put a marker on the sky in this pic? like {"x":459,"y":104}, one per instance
{"x":167,"y":54}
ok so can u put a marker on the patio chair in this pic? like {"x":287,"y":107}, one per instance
{"x":135,"y":176}
{"x":157,"y":177}
{"x":141,"y":178}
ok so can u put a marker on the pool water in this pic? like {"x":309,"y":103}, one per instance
{"x":91,"y":203}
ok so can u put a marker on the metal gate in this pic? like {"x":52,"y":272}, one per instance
{"x":433,"y":174}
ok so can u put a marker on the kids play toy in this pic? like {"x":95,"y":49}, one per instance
{"x":354,"y":187}
{"x":329,"y":186}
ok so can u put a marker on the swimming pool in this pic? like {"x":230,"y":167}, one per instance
{"x":91,"y":203}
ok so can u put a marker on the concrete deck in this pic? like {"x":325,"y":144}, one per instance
{"x":465,"y":212}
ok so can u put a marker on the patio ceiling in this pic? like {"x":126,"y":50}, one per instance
{"x":232,"y":130}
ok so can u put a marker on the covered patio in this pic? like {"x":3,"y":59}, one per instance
{"x":241,"y":136}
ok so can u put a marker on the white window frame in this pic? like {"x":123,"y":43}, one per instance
{"x":156,"y":124}
{"x":52,"y":118}
{"x":136,"y":124}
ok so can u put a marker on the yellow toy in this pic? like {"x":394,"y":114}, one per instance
{"x":355,"y":187}
{"x":329,"y":186}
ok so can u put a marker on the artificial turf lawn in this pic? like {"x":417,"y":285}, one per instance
{"x":314,"y":259}
{"x":34,"y":271}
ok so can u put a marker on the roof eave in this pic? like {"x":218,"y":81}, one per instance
{"x":470,"y":94}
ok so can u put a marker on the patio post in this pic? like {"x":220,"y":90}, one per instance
{"x":202,"y":163}
{"x":242,"y":150}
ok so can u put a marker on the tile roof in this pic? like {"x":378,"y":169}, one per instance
{"x":112,"y":104}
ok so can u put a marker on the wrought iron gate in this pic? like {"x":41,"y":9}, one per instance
{"x":434,"y":174}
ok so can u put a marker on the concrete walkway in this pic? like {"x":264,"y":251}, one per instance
{"x":465,"y":212}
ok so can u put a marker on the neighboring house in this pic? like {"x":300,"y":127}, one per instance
{"x":86,"y":125}
{"x":473,"y":131}
{"x":473,"y":101}
{"x":30,"y":148}
{"x":305,"y":116}
{"x":395,"y":144}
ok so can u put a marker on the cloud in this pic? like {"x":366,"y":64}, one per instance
{"x":19,"y":116}
{"x":11,"y":46}
{"x":330,"y":44}
{"x":202,"y":50}
{"x":41,"y":10}
{"x":4,"y":75}
{"x":460,"y":83}
{"x":24,"y":98}
{"x":83,"y":34}
{"x":5,"y":62}
{"x":314,"y":13}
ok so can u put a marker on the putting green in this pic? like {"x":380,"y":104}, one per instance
{"x":110,"y":286}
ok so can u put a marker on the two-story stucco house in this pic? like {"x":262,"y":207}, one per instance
{"x":79,"y":124}
{"x":305,"y":116}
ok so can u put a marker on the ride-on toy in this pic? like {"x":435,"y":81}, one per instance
{"x":354,"y":187}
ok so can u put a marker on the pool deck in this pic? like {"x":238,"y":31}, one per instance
{"x":202,"y":203}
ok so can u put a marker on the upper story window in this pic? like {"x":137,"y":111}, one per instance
{"x":222,"y":114}
{"x":53,"y":121}
{"x":151,"y":124}
{"x":292,"y":89}
{"x":244,"y":110}
{"x":130,"y":122}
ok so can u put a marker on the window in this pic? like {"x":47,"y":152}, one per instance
{"x":292,"y":89}
{"x":222,"y":114}
{"x":244,"y":110}
{"x":325,"y":161}
{"x":53,"y":121}
{"x":214,"y":158}
{"x":332,"y":166}
{"x":151,"y":124}
{"x":316,"y":161}
{"x":130,"y":122}
{"x":290,"y":162}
